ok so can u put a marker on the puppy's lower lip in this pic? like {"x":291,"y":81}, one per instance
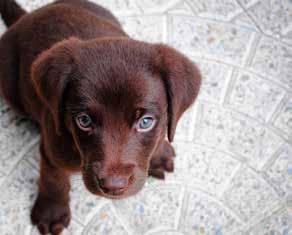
{"x":113,"y":193}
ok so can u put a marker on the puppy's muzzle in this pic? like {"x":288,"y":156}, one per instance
{"x":114,"y":182}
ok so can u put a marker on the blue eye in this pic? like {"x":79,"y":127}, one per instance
{"x":84,"y":121}
{"x":145,"y":124}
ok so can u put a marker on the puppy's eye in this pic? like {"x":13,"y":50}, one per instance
{"x":84,"y":121}
{"x":145,"y":124}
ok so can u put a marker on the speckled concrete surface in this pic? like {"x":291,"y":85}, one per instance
{"x":234,"y":165}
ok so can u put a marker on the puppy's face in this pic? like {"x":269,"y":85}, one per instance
{"x":118,"y":98}
{"x":117,"y":119}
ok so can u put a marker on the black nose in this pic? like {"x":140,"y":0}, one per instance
{"x":114,"y":184}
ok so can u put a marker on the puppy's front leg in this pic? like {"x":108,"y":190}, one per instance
{"x":162,"y":160}
{"x":51,"y":211}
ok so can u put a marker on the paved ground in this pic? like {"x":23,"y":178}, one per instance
{"x":233,"y":174}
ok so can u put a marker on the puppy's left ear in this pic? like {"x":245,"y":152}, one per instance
{"x":182,"y":81}
{"x":51,"y":73}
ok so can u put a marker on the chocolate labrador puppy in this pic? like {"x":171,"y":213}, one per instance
{"x":104,"y":102}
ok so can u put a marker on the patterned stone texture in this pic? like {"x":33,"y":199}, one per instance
{"x":243,"y":20}
{"x":276,"y":224}
{"x":119,"y":7}
{"x":254,"y":96}
{"x":274,"y":17}
{"x":203,"y":168}
{"x":204,"y":215}
{"x":150,"y":29}
{"x":284,"y":119}
{"x":83,"y":203}
{"x":181,"y":8}
{"x":106,"y":223}
{"x":33,"y":156}
{"x":209,"y":39}
{"x":166,"y":233}
{"x":186,"y":127}
{"x":33,"y":4}
{"x":274,"y":60}
{"x":232,"y":132}
{"x":155,"y":5}
{"x":220,"y":10}
{"x":215,"y":79}
{"x":247,"y":186}
{"x":17,"y":195}
{"x":16,"y":135}
{"x":247,"y":3}
{"x":155,"y":207}
{"x":278,"y":172}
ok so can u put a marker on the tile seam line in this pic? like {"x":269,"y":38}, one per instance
{"x":218,"y":201}
{"x":248,"y":118}
{"x":241,"y":69}
{"x":230,"y":24}
{"x":249,"y":15}
{"x":33,"y":142}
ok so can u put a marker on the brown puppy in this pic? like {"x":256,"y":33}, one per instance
{"x":104,"y":102}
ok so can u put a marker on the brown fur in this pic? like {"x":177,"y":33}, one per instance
{"x":71,"y":57}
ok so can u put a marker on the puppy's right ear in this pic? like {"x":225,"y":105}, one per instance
{"x":50,"y":75}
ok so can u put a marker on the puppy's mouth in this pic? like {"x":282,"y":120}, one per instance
{"x":93,"y":185}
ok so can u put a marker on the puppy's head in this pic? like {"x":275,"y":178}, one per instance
{"x":118,"y":98}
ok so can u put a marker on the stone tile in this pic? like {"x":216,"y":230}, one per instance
{"x":274,"y":17}
{"x":204,"y":168}
{"x":73,"y":229}
{"x":106,"y":223}
{"x":214,"y":80}
{"x":210,"y":39}
{"x":278,"y":173}
{"x":181,"y":8}
{"x":274,"y":60}
{"x":17,"y":197}
{"x":153,"y":208}
{"x":204,"y":215}
{"x":2,"y":27}
{"x":33,"y":156}
{"x":33,"y":4}
{"x":250,"y":196}
{"x":248,"y":3}
{"x":243,"y":20}
{"x":14,"y":140}
{"x":280,"y":223}
{"x":119,"y":7}
{"x":185,"y":127}
{"x":283,"y":119}
{"x":2,"y":177}
{"x":234,"y":133}
{"x":254,"y":96}
{"x":166,"y":233}
{"x":219,"y":10}
{"x":146,"y":28}
{"x":151,"y":6}
{"x":83,"y":203}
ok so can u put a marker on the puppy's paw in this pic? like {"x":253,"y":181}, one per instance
{"x":49,"y":216}
{"x":162,"y":161}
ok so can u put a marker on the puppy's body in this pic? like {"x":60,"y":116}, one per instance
{"x":104,"y":102}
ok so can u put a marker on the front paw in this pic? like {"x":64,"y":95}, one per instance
{"x":50,"y":216}
{"x":162,"y":161}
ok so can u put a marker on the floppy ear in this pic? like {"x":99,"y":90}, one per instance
{"x":50,"y":75}
{"x":182,"y":81}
